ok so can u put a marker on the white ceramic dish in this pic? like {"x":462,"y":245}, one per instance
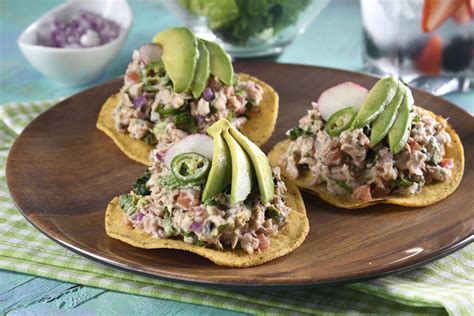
{"x":76,"y":66}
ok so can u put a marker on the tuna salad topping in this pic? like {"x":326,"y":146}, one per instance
{"x":217,"y":192}
{"x":151,"y":110}
{"x":164,"y":207}
{"x":350,"y":162}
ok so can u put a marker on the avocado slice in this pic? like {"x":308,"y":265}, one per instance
{"x":379,"y":96}
{"x":260,"y":163}
{"x":400,"y":131}
{"x":203,"y":70}
{"x":382,"y":124}
{"x":221,"y":169}
{"x":242,"y":171}
{"x":221,"y":64}
{"x":180,"y":55}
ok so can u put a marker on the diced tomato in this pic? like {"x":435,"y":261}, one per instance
{"x":414,"y":145}
{"x":264,"y":242}
{"x":435,"y":12}
{"x":363,"y":193}
{"x":470,"y":6}
{"x":187,"y":199}
{"x":133,"y":76}
{"x":463,"y":14}
{"x":447,"y":163}
{"x":334,"y":156}
{"x":429,"y":60}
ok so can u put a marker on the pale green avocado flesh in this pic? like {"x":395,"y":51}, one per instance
{"x":220,"y":174}
{"x":203,"y":71}
{"x":180,"y":55}
{"x":242,"y":171}
{"x":243,"y":154}
{"x":400,"y":131}
{"x":260,"y":163}
{"x":382,"y":124}
{"x":379,"y":96}
{"x":221,"y":64}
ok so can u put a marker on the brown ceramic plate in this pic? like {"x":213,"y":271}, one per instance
{"x":62,"y":172}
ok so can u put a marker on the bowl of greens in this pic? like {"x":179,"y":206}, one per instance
{"x":248,"y":28}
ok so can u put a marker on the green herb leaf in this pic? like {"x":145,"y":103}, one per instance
{"x":150,"y":139}
{"x":186,"y":122}
{"x":139,"y":186}
{"x":435,"y":152}
{"x":402,"y":183}
{"x":127,"y":203}
{"x":343,"y":185}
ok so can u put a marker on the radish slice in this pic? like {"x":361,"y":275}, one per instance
{"x":150,"y":53}
{"x":339,"y":97}
{"x":196,"y":143}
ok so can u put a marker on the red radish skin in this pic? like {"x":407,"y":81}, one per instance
{"x":196,"y":143}
{"x":150,"y":53}
{"x":341,"y":96}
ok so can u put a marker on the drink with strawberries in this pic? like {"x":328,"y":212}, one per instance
{"x":427,"y":43}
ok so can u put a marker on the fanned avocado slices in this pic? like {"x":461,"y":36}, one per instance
{"x":379,"y":96}
{"x":221,"y":64}
{"x":260,"y":163}
{"x":180,"y":55}
{"x":242,"y":171}
{"x":220,"y":174}
{"x":400,"y":131}
{"x":203,"y":70}
{"x":382,"y":124}
{"x":243,"y":152}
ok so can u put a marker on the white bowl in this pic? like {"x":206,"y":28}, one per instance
{"x":76,"y":66}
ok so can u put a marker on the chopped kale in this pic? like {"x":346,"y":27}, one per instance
{"x":221,"y":228}
{"x":343,"y":185}
{"x":167,"y":224}
{"x":139,"y":186}
{"x":150,"y":139}
{"x":402,"y":183}
{"x":273,"y":213}
{"x":200,"y":243}
{"x":127,"y":203}
{"x":186,"y":122}
{"x":435,"y":157}
{"x":296,"y":132}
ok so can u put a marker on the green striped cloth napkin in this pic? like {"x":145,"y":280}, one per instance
{"x":446,"y":285}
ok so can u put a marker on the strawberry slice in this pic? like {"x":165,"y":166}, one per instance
{"x":462,"y":14}
{"x":429,"y":60}
{"x":435,"y":12}
{"x":470,"y":5}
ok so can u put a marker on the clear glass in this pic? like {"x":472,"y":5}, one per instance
{"x":254,"y":28}
{"x":440,"y":61}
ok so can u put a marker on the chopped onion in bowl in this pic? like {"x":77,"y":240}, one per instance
{"x":85,"y":29}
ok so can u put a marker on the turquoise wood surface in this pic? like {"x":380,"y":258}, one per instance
{"x":333,"y":40}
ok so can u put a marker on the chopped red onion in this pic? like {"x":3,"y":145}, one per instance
{"x":195,"y":227}
{"x":208,"y":94}
{"x":139,"y":101}
{"x":200,"y":119}
{"x":139,"y":216}
{"x":86,"y":29}
{"x":159,"y":156}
